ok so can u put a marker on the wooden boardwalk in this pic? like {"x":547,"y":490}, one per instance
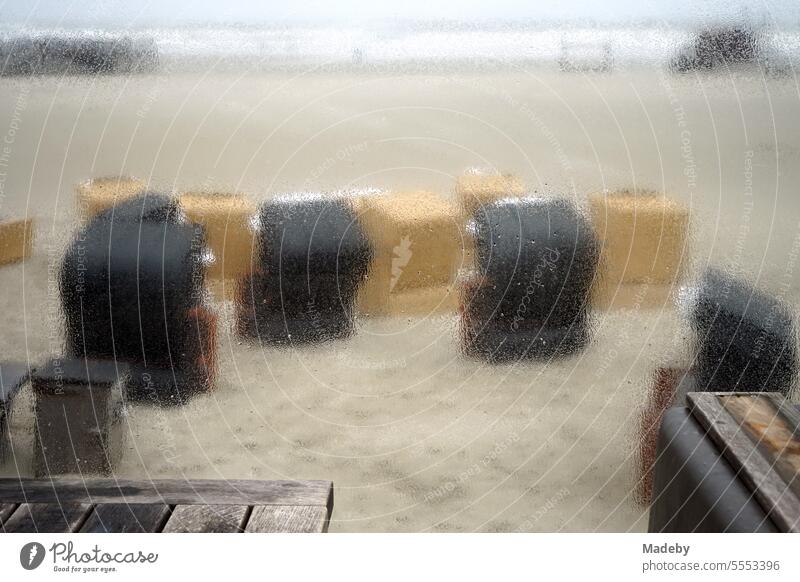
{"x":169,"y":506}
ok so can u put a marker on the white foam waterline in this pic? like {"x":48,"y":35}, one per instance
{"x":628,"y":45}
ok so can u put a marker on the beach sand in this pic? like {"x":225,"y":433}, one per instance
{"x":415,"y":436}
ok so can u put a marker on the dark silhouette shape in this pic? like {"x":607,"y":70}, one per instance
{"x":12,"y":377}
{"x":716,"y":47}
{"x":77,"y":54}
{"x":311,"y":257}
{"x":536,"y":261}
{"x":79,"y":416}
{"x":745,"y":339}
{"x":132,"y":289}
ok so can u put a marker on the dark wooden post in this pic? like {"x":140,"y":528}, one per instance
{"x":12,"y":377}
{"x":79,"y":411}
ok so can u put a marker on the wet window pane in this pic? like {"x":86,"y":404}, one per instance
{"x":458,"y":264}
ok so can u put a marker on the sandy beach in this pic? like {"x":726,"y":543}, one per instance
{"x":415,"y":436}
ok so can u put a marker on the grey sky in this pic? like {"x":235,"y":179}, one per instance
{"x":173,"y":12}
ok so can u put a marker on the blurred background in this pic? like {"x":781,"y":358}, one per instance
{"x":429,"y":34}
{"x":685,"y":111}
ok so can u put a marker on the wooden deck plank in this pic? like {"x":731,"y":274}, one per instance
{"x":288,"y":519}
{"x":168,"y":491}
{"x":47,"y":518}
{"x":762,"y":420}
{"x":124,"y":518}
{"x":207,"y":519}
{"x":735,"y":438}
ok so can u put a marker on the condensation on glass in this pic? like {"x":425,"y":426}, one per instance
{"x":459,"y":267}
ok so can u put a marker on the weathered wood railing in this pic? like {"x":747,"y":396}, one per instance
{"x":171,"y":505}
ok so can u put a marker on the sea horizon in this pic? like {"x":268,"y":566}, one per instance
{"x":435,"y":43}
